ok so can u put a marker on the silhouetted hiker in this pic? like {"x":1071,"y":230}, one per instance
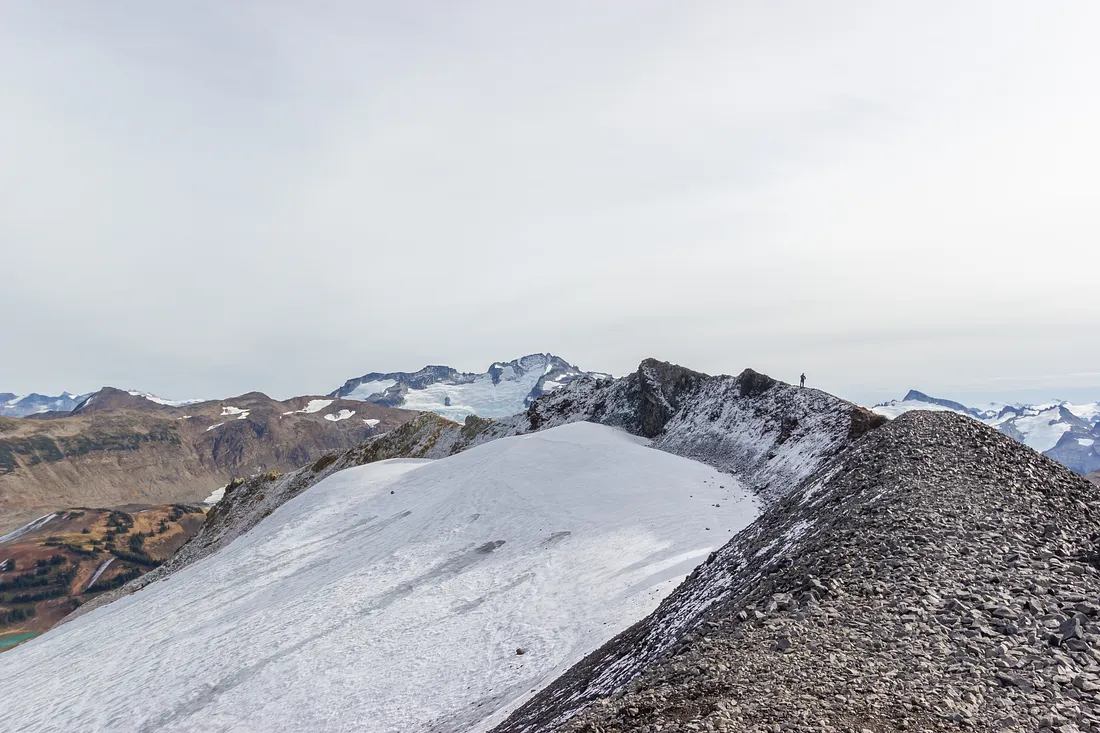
{"x":802,"y":380}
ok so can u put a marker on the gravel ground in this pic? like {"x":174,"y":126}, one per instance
{"x":936,"y":576}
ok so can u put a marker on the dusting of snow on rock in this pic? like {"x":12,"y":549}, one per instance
{"x":394,"y":595}
{"x":342,"y":415}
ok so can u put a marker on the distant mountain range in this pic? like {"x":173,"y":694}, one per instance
{"x":13,"y":405}
{"x":119,"y":447}
{"x":505,"y":388}
{"x":1066,"y":432}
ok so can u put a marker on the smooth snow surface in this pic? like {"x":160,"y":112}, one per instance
{"x":311,"y":407}
{"x":215,"y":496}
{"x":230,"y":410}
{"x":216,"y":425}
{"x":342,"y":415}
{"x":161,"y":400}
{"x":1085,"y":441}
{"x":372,"y":422}
{"x":392,"y":596}
{"x":370,"y":389}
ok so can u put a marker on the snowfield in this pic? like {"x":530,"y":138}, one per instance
{"x":480,"y":397}
{"x":311,"y":407}
{"x":342,"y":415}
{"x":394,"y":596}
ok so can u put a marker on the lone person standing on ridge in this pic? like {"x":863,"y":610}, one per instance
{"x":802,"y":380}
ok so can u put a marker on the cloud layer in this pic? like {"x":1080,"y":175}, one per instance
{"x":214,"y":198}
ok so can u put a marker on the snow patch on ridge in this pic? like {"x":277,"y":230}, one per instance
{"x":342,"y":415}
{"x":397,"y":593}
{"x":365,"y":390}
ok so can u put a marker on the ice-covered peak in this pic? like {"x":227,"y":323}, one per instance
{"x":14,"y":405}
{"x":1056,"y":428}
{"x":504,"y":388}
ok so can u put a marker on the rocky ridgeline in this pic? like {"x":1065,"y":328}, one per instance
{"x":767,"y":433}
{"x":937,"y":576}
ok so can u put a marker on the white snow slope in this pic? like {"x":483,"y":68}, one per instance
{"x":393,"y":596}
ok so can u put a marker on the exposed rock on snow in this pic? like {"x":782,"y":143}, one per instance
{"x":937,"y":576}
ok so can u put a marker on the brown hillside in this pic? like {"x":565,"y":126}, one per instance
{"x":48,"y":571}
{"x":118,"y":448}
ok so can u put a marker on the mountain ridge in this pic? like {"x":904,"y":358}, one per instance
{"x":503,"y":389}
{"x":777,"y":434}
{"x":13,"y":405}
{"x":119,"y":448}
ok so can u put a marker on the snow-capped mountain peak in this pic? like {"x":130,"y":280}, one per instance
{"x":13,"y":405}
{"x":1063,"y":431}
{"x":504,"y":388}
{"x":160,"y":400}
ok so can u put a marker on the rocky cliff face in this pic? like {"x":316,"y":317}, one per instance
{"x":768,"y":433}
{"x":935,"y":576}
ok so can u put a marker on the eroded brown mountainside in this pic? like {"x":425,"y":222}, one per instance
{"x":118,"y":448}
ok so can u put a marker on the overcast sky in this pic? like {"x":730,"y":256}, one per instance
{"x":200,"y":199}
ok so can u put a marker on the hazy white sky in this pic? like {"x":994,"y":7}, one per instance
{"x":205,"y":198}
